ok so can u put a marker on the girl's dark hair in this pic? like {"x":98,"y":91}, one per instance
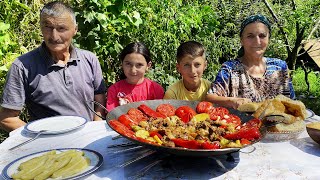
{"x":135,"y":47}
{"x":192,"y":48}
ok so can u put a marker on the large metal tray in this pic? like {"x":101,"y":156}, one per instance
{"x":115,"y":113}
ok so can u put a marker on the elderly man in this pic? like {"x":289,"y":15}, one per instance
{"x":54,"y":79}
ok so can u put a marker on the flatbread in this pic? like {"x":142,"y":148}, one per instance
{"x":293,"y":107}
{"x":250,"y":107}
{"x":270,"y":107}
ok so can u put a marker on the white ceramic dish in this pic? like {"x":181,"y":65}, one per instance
{"x":56,"y":124}
{"x":310,"y":113}
{"x":96,"y":161}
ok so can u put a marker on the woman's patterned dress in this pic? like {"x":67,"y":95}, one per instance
{"x":233,"y":80}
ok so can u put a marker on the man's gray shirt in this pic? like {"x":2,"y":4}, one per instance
{"x":48,"y":89}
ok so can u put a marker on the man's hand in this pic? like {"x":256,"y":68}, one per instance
{"x":9,"y":119}
{"x":100,"y":98}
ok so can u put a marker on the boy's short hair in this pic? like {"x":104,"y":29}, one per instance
{"x":192,"y":48}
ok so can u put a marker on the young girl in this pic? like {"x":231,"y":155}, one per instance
{"x":133,"y":86}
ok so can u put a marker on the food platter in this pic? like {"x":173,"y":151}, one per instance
{"x":115,"y":113}
{"x":96,"y":160}
{"x":56,"y":124}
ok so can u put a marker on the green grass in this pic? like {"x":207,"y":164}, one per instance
{"x":312,"y":98}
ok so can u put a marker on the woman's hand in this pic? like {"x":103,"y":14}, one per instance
{"x":231,"y":102}
{"x":236,"y":102}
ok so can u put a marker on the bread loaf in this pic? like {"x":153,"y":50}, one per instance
{"x":270,"y":107}
{"x":249,"y":107}
{"x":293,"y":107}
{"x":283,"y":127}
{"x":314,"y":125}
{"x":282,"y":117}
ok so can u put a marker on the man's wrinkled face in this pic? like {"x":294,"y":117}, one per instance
{"x":58,"y":31}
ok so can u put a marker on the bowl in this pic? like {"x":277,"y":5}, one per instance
{"x":313,"y":130}
{"x":281,"y":136}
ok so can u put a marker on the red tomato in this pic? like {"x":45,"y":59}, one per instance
{"x":256,"y":123}
{"x":223,"y":127}
{"x":209,"y":145}
{"x":190,"y":144}
{"x":121,"y":128}
{"x":244,"y":133}
{"x":137,"y":114}
{"x":233,"y":119}
{"x":185,"y":113}
{"x":127,"y":120}
{"x":166,"y":109}
{"x":155,"y":133}
{"x":150,"y":112}
{"x":204,"y":107}
{"x":218,"y":112}
{"x":245,"y":141}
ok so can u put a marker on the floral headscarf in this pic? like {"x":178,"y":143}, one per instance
{"x":252,"y":19}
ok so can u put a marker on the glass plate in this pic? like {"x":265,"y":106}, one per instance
{"x":96,"y":161}
{"x":281,"y":136}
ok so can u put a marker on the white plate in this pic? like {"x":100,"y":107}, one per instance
{"x":310,"y":113}
{"x":96,"y":161}
{"x":56,"y":124}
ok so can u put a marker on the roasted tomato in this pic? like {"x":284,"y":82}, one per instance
{"x":137,"y":114}
{"x":256,"y":123}
{"x":121,"y":128}
{"x":185,"y":113}
{"x":150,"y":112}
{"x":233,"y":119}
{"x":218,"y":113}
{"x":245,"y":141}
{"x":127,"y":120}
{"x":244,"y":133}
{"x":204,"y":107}
{"x":190,"y":144}
{"x":210,"y":145}
{"x":166,"y":109}
{"x":155,"y":133}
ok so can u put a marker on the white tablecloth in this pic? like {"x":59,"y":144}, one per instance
{"x":295,"y":159}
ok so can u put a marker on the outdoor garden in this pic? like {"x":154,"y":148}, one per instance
{"x":106,"y":26}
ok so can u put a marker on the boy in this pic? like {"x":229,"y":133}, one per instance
{"x":191,"y":63}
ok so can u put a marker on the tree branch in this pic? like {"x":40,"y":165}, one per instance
{"x":314,"y":29}
{"x":279,"y":25}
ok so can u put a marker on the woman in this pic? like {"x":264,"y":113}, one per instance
{"x":251,"y":77}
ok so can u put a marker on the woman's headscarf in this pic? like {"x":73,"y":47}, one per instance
{"x":252,"y":19}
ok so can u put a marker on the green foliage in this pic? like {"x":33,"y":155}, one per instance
{"x":19,"y":32}
{"x":106,"y":27}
